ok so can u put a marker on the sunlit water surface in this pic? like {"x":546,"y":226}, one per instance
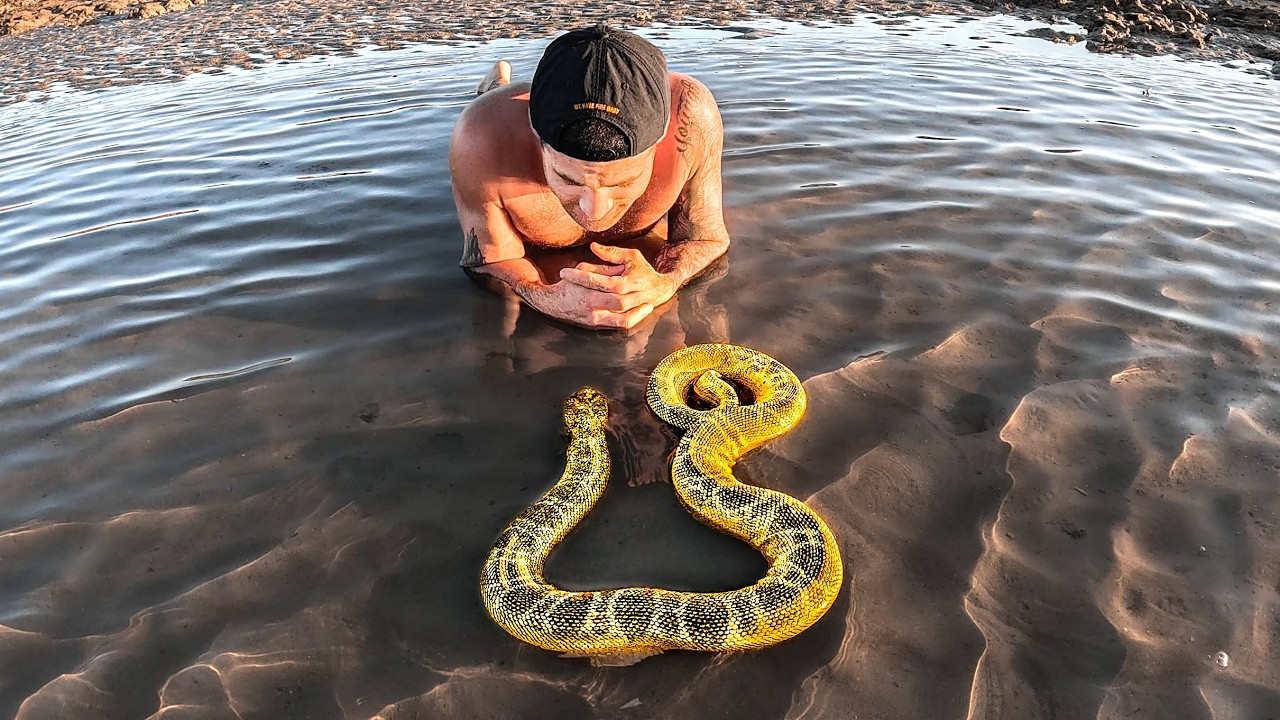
{"x":258,"y":431}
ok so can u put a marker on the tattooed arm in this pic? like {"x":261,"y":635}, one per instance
{"x":696,"y":234}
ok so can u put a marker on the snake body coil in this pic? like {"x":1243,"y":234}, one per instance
{"x":624,"y":625}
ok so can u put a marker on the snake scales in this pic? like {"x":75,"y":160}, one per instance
{"x":624,"y":625}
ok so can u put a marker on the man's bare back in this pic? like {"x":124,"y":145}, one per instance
{"x":524,"y":207}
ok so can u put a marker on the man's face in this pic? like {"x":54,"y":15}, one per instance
{"x":597,"y":194}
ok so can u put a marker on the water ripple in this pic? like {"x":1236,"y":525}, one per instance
{"x":96,"y":228}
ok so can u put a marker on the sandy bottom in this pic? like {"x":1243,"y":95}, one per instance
{"x":257,"y":430}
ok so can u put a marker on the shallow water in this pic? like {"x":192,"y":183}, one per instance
{"x":259,"y":431}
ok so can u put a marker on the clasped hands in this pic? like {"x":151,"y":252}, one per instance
{"x":618,"y":293}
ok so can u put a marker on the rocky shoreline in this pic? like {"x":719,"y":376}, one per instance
{"x":78,"y":42}
{"x":1153,"y":26}
{"x":1236,"y":28}
{"x":18,"y":16}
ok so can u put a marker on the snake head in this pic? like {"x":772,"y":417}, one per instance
{"x":585,"y":409}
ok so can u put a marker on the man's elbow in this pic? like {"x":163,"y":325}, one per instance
{"x":717,"y":244}
{"x":483,"y":276}
{"x":505,"y":277}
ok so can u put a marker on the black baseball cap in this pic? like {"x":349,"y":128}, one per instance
{"x":601,"y":72}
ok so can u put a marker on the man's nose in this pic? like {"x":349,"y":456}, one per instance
{"x":595,"y":204}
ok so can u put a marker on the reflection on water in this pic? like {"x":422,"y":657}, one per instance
{"x":259,"y":431}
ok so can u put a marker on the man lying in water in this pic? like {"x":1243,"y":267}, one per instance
{"x":592,"y":155}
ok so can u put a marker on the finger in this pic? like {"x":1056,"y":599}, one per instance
{"x":611,"y":302}
{"x":617,"y":311}
{"x":618,"y":284}
{"x":603,"y":283}
{"x":612,"y":254}
{"x":636,"y":315}
{"x":601,"y":269}
{"x":608,"y":319}
{"x":625,"y":320}
{"x":625,"y":302}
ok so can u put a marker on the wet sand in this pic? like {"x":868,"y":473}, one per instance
{"x":257,"y":430}
{"x":99,"y":44}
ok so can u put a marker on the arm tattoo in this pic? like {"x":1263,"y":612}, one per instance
{"x":471,"y":256}
{"x":684,"y":116}
{"x":679,"y":224}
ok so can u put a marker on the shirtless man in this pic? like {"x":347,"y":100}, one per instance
{"x":593,"y":154}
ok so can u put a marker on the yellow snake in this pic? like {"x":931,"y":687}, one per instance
{"x":624,"y":625}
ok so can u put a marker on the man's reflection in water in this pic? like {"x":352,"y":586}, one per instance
{"x":525,"y":354}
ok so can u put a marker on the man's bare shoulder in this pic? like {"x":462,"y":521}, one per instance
{"x":493,"y":131}
{"x":690,"y":89}
{"x":695,"y":117}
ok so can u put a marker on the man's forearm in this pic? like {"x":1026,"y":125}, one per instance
{"x":683,"y":260}
{"x":519,"y":277}
{"x":561,"y":300}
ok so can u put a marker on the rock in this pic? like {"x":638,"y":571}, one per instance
{"x":1254,"y":17}
{"x":1052,"y":35}
{"x":25,"y":20}
{"x":79,"y":14}
{"x":150,"y":10}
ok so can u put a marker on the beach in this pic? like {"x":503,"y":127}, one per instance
{"x":258,"y":431}
{"x":178,"y":37}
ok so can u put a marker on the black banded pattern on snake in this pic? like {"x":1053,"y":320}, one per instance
{"x":623,"y":625}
